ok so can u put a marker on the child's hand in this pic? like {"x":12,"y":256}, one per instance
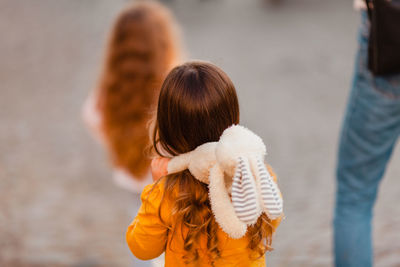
{"x":159,"y":167}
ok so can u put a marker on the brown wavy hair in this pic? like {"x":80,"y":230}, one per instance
{"x":197,"y":103}
{"x":142,"y":48}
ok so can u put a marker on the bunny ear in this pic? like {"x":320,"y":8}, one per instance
{"x":221,"y":205}
{"x":271,"y":197}
{"x":244,"y":193}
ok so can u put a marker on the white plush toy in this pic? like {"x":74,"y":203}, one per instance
{"x":234,"y":164}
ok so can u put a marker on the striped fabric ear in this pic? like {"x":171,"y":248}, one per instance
{"x":271,"y":197}
{"x":244,"y":193}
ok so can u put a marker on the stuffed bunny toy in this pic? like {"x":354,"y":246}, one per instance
{"x":240,"y":186}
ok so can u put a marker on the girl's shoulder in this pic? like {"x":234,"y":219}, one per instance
{"x":153,"y":192}
{"x":157,"y":190}
{"x":155,"y":200}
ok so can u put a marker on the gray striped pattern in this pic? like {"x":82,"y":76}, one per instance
{"x":271,"y":198}
{"x":244,"y":193}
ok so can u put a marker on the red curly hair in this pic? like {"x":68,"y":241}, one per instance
{"x":142,"y":48}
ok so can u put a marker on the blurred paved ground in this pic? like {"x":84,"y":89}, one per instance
{"x":292,"y":67}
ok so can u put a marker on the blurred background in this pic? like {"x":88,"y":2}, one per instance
{"x":291,"y":62}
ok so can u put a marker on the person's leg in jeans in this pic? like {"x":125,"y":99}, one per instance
{"x":370,"y":131}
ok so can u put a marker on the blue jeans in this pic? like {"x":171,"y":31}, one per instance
{"x":370,"y":130}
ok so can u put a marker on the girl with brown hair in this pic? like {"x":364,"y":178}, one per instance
{"x":212,"y":204}
{"x":143,"y":46}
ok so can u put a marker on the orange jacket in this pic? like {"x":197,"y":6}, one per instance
{"x":148,"y":237}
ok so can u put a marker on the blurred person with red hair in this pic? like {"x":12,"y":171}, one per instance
{"x":142,"y":47}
